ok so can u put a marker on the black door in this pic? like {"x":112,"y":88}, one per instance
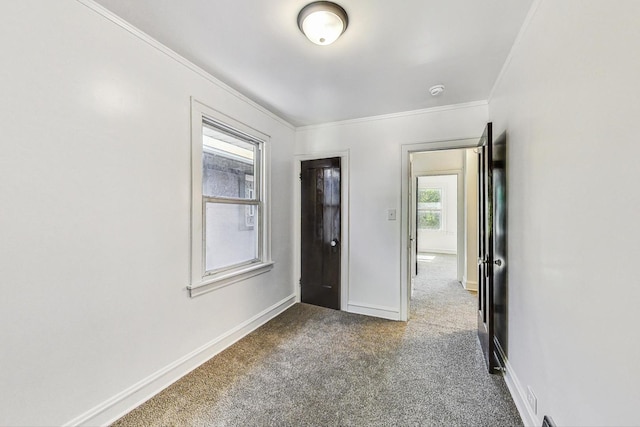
{"x":500,"y":288}
{"x":492,"y":250}
{"x":320,"y":232}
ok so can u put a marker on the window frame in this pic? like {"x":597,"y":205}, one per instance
{"x":203,"y":281}
{"x":255,"y":201}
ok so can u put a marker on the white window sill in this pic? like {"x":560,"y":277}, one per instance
{"x":212,"y":283}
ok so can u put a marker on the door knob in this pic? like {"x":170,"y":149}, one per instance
{"x":498,"y":262}
{"x":334,"y":243}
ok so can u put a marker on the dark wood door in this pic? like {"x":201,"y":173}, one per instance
{"x":320,"y":232}
{"x":499,"y":270}
{"x":492,"y":250}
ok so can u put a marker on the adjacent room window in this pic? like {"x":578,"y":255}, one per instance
{"x":430,"y":207}
{"x":230,"y":240}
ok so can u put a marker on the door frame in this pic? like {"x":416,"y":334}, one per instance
{"x":406,"y":212}
{"x":344,"y":221}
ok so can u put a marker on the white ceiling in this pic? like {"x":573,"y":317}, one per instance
{"x":385,"y":62}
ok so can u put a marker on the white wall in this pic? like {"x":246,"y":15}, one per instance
{"x":568,"y":103}
{"x":446,"y":239}
{"x":375,"y":162}
{"x":94,"y":224}
{"x":433,"y":161}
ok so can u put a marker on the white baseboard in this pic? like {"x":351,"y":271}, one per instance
{"x":390,"y":313}
{"x":519,"y":395}
{"x":120,"y":404}
{"x":470,"y":285}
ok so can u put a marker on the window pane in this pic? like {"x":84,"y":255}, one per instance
{"x":430,"y":195}
{"x":429,"y":220}
{"x":231,"y":235}
{"x":228,"y":165}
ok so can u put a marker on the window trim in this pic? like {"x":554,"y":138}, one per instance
{"x":200,"y":281}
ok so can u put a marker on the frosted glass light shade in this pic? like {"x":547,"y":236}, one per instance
{"x":322,"y":22}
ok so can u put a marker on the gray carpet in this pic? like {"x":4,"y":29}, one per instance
{"x":313,"y":366}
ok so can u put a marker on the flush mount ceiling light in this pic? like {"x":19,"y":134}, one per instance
{"x":436,"y":90}
{"x":322,"y":22}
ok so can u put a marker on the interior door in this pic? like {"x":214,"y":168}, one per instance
{"x":492,"y":250}
{"x":320,"y":232}
{"x":500,"y":283}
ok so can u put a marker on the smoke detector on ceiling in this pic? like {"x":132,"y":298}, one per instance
{"x":436,"y":90}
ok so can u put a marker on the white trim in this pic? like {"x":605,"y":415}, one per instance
{"x":470,"y":285}
{"x":199,"y":282}
{"x":91,"y":4}
{"x":406,"y":212}
{"x":519,"y":396}
{"x":390,"y":313}
{"x":394,"y":115}
{"x":229,"y":278}
{"x":344,"y":221}
{"x":110,"y":410}
{"x":523,"y":29}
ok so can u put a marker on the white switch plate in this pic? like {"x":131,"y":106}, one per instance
{"x":391,"y":214}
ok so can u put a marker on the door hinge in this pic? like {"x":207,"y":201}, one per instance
{"x":300,"y":176}
{"x":300,"y":281}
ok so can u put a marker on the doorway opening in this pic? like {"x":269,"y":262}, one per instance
{"x":439,"y":215}
{"x":444,"y":228}
{"x":436,"y":233}
{"x":489,"y":157}
{"x":444,"y":191}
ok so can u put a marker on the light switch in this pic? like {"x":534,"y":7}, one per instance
{"x":391,"y":214}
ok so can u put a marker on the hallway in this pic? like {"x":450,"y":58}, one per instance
{"x":313,"y":366}
{"x":438,"y":298}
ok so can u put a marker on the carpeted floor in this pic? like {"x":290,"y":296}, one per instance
{"x":313,"y":366}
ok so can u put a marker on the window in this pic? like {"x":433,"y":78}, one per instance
{"x":430,"y":209}
{"x":229,"y":209}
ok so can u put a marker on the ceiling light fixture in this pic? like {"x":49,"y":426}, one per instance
{"x":323,"y":22}
{"x":436,"y":90}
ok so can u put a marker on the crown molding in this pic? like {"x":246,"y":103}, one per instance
{"x":394,"y":115}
